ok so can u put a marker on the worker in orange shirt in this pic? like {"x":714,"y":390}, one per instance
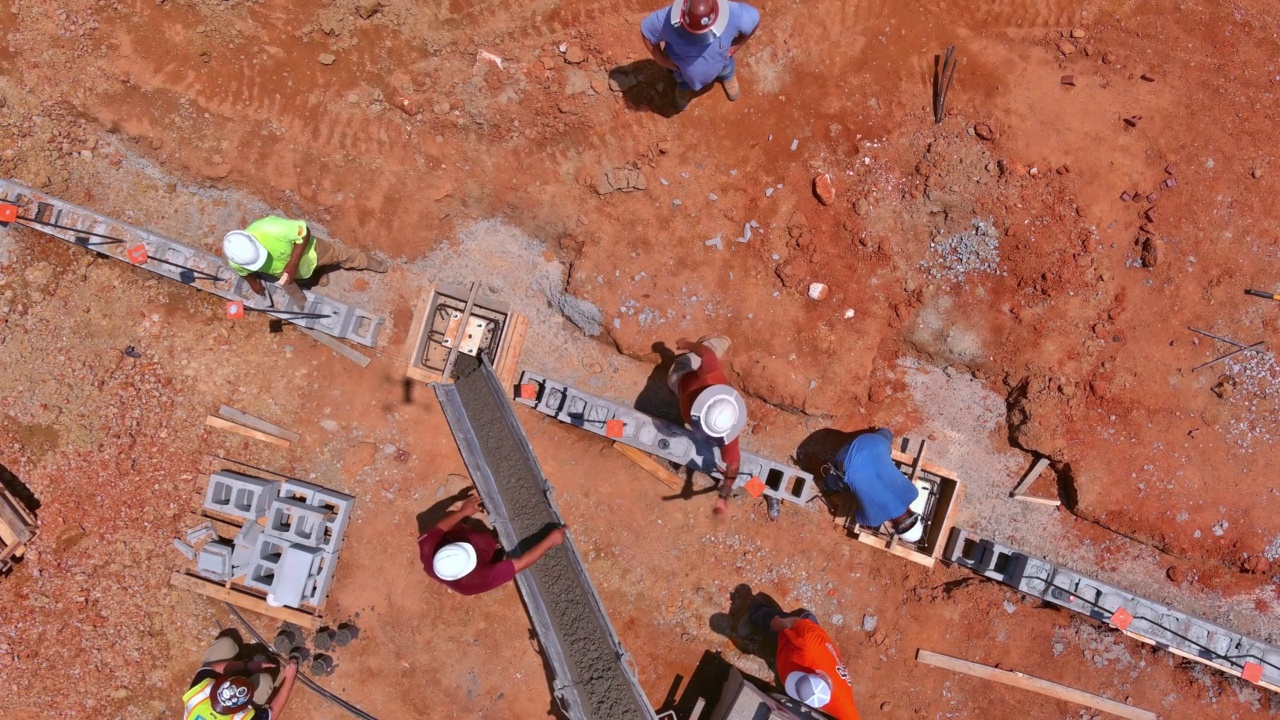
{"x":808,"y":665}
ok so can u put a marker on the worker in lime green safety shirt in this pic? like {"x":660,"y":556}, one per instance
{"x":285,"y":251}
{"x":229,"y":687}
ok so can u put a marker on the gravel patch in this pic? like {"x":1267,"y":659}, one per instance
{"x":955,"y":258}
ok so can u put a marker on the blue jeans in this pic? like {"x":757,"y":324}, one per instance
{"x":726,"y":74}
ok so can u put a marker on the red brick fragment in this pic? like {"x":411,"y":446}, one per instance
{"x":1125,"y":196}
{"x":1152,"y":197}
{"x":1170,"y":183}
{"x":1069,"y":80}
{"x":1131,"y":122}
{"x":1148,"y":78}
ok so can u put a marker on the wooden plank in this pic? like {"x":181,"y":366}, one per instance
{"x":337,"y":346}
{"x":413,"y":346}
{"x":905,"y":553}
{"x":649,"y":465}
{"x":216,"y":422}
{"x":243,"y":600}
{"x":1038,"y":500}
{"x":13,"y":520}
{"x":905,"y":459}
{"x":422,"y":375}
{"x":1202,"y":661}
{"x":509,"y":352}
{"x":1034,"y":684}
{"x":1036,"y":469}
{"x":248,"y":420}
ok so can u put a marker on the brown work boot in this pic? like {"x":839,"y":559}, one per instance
{"x":323,"y":281}
{"x":731,"y":88}
{"x":376,"y":264}
{"x":682,"y":98}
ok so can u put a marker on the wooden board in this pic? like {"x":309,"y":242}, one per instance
{"x":1034,"y":684}
{"x":15,"y":525}
{"x":925,"y":465}
{"x":337,"y":346}
{"x":649,"y":465}
{"x":1034,"y":473}
{"x":243,"y":600}
{"x":217,"y":422}
{"x":509,"y":348}
{"x":1202,"y":661}
{"x":1038,"y":500}
{"x":413,"y":346}
{"x":905,"y":553}
{"x":248,"y":420}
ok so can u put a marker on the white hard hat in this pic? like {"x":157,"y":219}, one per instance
{"x":809,"y":688}
{"x":454,"y":561}
{"x":720,"y":411}
{"x":244,"y":250}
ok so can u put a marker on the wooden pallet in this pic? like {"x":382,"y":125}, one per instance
{"x":950,"y":493}
{"x":17,"y":529}
{"x":233,"y":591}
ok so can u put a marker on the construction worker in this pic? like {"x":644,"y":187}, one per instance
{"x":710,"y":406}
{"x":229,"y":688}
{"x":807,"y":663}
{"x":285,"y":251}
{"x":467,"y":560}
{"x":884,"y":495}
{"x":696,"y":40}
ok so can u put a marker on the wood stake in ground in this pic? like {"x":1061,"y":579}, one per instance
{"x":649,"y":465}
{"x":1034,"y":684}
{"x":248,"y":420}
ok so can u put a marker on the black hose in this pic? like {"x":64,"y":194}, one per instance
{"x":312,"y":684}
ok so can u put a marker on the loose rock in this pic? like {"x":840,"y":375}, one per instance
{"x":1176,"y":574}
{"x":327,"y":59}
{"x":1150,"y":252}
{"x":1077,"y":33}
{"x":824,"y":189}
{"x":574,"y":55}
{"x":1066,"y":48}
{"x":368,"y":9}
{"x":984,"y":131}
{"x":861,"y":206}
{"x":1225,"y":386}
{"x":818,"y":291}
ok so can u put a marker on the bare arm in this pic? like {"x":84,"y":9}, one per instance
{"x":553,"y":538}
{"x":470,"y":507}
{"x":290,"y":272}
{"x":276,"y":706}
{"x":237,"y":667}
{"x":778,"y":624}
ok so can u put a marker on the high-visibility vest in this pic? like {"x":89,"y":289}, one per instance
{"x":200,"y":707}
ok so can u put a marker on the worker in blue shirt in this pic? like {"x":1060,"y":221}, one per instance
{"x":696,"y":40}
{"x":865,"y":467}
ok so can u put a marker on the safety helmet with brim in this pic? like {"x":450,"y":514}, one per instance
{"x":715,"y":21}
{"x":812,"y":689}
{"x":720,"y":412}
{"x":230,"y":694}
{"x":454,"y":561}
{"x":244,"y":250}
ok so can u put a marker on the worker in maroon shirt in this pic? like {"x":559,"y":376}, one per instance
{"x":711,"y":406}
{"x":469,"y":561}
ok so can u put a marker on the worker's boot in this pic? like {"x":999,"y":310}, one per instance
{"x":376,"y":264}
{"x":683,"y":97}
{"x":323,"y":281}
{"x":718,"y":344}
{"x":731,"y":88}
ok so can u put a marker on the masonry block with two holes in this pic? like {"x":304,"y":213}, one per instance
{"x":289,"y":538}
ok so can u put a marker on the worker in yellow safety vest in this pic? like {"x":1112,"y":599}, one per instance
{"x":227,"y":688}
{"x":285,"y":251}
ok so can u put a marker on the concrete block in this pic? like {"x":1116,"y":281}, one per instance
{"x":187,"y":551}
{"x":297,"y":522}
{"x":264,"y":562}
{"x":299,"y":490}
{"x":296,"y":566}
{"x":199,"y":532}
{"x":340,"y":507}
{"x":214,"y":560}
{"x":243,"y":496}
{"x":246,"y":543}
{"x":319,"y":583}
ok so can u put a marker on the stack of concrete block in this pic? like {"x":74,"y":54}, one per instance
{"x":291,"y":539}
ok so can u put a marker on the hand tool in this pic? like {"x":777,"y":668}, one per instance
{"x":1261,"y":294}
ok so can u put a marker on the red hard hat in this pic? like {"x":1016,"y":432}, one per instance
{"x":231,"y":694}
{"x":698,"y":16}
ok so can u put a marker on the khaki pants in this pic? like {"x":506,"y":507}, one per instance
{"x":329,"y":253}
{"x":226,"y":648}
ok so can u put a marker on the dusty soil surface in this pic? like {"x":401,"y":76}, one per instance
{"x":989,"y":287}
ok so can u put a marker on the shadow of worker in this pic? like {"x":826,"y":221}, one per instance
{"x":736,"y":625}
{"x":656,"y":398}
{"x":646,"y":85}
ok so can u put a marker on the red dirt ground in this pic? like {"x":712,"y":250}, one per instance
{"x":145,"y":110}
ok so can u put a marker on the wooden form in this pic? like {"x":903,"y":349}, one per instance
{"x":216,"y":422}
{"x":248,"y":420}
{"x":950,"y":493}
{"x":1034,"y":684}
{"x":1019,"y":492}
{"x":17,"y":528}
{"x":510,"y":343}
{"x":649,"y":465}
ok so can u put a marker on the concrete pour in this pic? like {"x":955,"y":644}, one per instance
{"x":595,"y":669}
